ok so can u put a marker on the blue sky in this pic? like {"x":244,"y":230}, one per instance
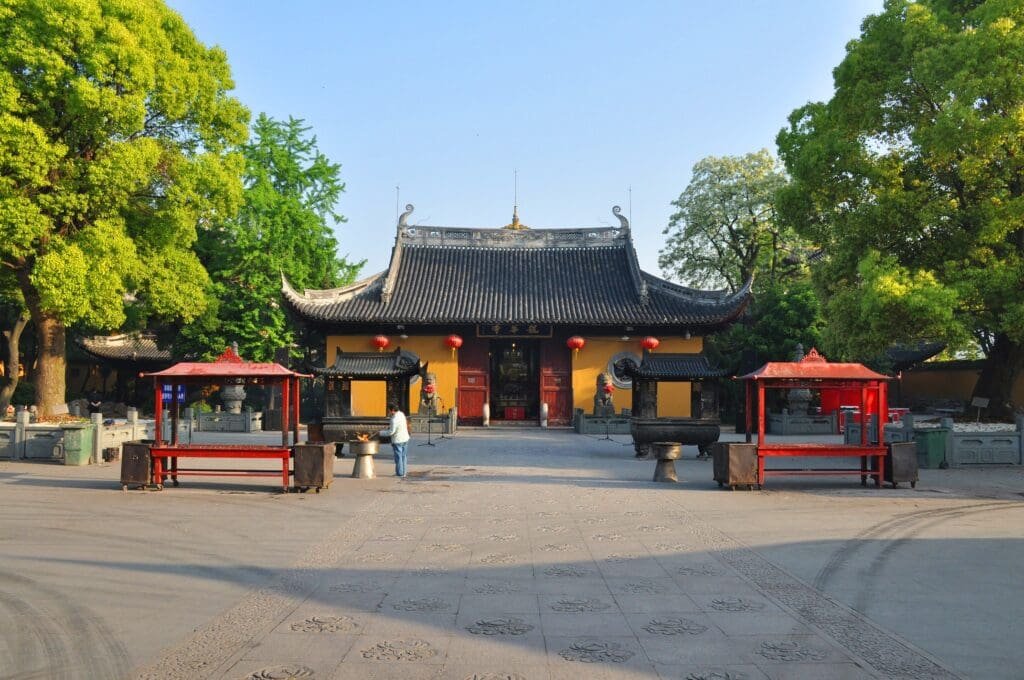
{"x":584,"y":100}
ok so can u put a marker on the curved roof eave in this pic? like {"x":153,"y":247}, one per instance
{"x":325,"y":296}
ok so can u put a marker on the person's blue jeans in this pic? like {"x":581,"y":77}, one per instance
{"x":400,"y":457}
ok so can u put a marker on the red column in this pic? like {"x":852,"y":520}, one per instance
{"x":749,"y":416}
{"x":158,"y":477}
{"x":760,"y":432}
{"x":174,"y":413}
{"x":883,"y":409}
{"x":760,"y":413}
{"x":286,"y":404}
{"x":865,"y":418}
{"x":295,"y":401}
{"x":158,"y":411}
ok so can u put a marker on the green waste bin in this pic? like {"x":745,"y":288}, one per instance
{"x":931,"y":447}
{"x":77,"y":443}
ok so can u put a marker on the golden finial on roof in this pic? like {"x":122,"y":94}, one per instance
{"x":516,"y":226}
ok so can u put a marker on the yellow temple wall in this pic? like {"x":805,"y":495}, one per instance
{"x":368,"y":396}
{"x":673,"y":398}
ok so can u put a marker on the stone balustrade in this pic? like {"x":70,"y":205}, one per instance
{"x":962,"y":444}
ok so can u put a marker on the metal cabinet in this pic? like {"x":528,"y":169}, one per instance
{"x":735,"y":464}
{"x":136,"y":464}
{"x":313,"y":466}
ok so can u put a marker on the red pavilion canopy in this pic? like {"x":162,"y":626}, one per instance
{"x":813,"y":368}
{"x":815,"y":372}
{"x":227,"y":365}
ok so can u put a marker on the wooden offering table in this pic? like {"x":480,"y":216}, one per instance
{"x":165,"y":461}
{"x":813,"y":372}
{"x":230,"y":369}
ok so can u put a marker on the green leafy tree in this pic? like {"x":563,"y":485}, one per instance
{"x":114,"y":126}
{"x":911,"y":178}
{"x":784,"y":314}
{"x":284,"y":226}
{"x":726,"y":229}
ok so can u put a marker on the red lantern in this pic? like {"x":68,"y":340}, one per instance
{"x":650,"y":343}
{"x":380,"y":342}
{"x":575,"y":343}
{"x":454,"y":341}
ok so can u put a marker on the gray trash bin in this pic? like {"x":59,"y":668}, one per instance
{"x":900,"y":463}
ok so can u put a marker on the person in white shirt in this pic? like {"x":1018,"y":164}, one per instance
{"x":398,"y":430}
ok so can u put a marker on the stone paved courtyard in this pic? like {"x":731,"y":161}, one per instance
{"x":522,"y":554}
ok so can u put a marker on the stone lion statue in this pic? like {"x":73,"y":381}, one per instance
{"x":428,"y":394}
{"x":603,"y":405}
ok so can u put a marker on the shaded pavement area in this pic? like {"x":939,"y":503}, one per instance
{"x":523,"y":554}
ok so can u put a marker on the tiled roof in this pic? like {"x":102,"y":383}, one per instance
{"x":579,"y":276}
{"x":370,"y":365}
{"x":669,"y":367}
{"x":903,"y":357}
{"x":227,"y":365}
{"x":814,"y":367}
{"x":138,"y":347}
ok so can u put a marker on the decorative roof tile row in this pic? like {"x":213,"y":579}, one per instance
{"x":136,"y":347}
{"x":372,"y":365}
{"x":668,"y":367}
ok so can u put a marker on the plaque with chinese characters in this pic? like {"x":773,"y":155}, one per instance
{"x":513,"y":330}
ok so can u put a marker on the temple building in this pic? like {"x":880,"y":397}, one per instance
{"x":513,"y":318}
{"x":111,"y":365}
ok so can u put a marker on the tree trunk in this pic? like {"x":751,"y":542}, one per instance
{"x":51,"y":347}
{"x":1001,"y":369}
{"x":11,"y":361}
{"x":51,"y":376}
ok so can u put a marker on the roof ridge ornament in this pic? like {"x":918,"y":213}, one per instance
{"x":813,"y":357}
{"x":623,"y":222}
{"x":515,"y":225}
{"x":229,"y":355}
{"x":404,"y":217}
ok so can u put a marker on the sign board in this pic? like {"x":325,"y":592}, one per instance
{"x":166,"y":393}
{"x":514,"y":330}
{"x":980,"y":402}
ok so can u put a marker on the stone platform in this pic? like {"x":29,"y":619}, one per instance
{"x":520,"y":553}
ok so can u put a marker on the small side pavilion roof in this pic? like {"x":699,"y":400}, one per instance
{"x":138,"y":347}
{"x":227,"y":365}
{"x":905,"y":356}
{"x":669,"y":367}
{"x":814,"y":367}
{"x":372,"y":365}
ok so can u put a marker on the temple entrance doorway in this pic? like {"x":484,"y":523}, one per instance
{"x":515,"y":380}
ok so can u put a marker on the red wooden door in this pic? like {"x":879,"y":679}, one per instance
{"x":556,"y":381}
{"x":474,"y":384}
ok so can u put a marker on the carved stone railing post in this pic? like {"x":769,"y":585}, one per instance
{"x":97,"y":438}
{"x":21,"y":420}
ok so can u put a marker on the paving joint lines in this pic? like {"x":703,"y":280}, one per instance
{"x":216,"y":645}
{"x":884,"y":651}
